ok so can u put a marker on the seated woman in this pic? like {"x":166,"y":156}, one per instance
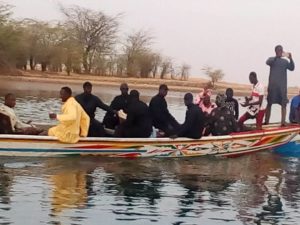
{"x":222,"y":120}
{"x":206,"y":105}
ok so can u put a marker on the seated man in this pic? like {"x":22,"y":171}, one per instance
{"x":254,"y":103}
{"x":74,"y":122}
{"x":221,"y":121}
{"x":295,"y":109}
{"x":120,"y":102}
{"x":232,"y":103}
{"x":194,"y":120}
{"x":138,"y":122}
{"x":89,"y":103}
{"x":17,"y":126}
{"x":162,"y":118}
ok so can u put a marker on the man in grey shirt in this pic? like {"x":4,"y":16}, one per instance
{"x":277,"y":88}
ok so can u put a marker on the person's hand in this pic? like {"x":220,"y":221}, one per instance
{"x":244,"y":104}
{"x":52,"y":116}
{"x":290,"y":56}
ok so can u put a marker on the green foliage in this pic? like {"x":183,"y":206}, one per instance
{"x":86,"y":40}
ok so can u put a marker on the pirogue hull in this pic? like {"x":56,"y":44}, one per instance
{"x":228,"y":146}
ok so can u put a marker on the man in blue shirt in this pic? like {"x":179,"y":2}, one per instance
{"x":295,"y":109}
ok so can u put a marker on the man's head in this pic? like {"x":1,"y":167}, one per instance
{"x":134,"y":95}
{"x":163,"y":90}
{"x":220,"y":100}
{"x":278,"y":50}
{"x":124,"y":89}
{"x":253,"y":78}
{"x":87,"y":87}
{"x":188,"y":99}
{"x":65,"y":93}
{"x":10,"y":100}
{"x":229,"y":93}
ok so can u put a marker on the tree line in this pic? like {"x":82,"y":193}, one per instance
{"x":85,"y":41}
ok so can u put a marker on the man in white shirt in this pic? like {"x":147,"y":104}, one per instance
{"x":254,"y":103}
{"x":17,"y":126}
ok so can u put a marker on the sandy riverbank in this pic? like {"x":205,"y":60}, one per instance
{"x":51,"y":82}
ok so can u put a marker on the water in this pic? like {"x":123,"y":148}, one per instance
{"x":261,"y":188}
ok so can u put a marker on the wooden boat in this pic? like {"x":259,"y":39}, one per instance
{"x":228,"y":146}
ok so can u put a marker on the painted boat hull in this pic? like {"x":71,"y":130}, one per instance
{"x":227,"y":146}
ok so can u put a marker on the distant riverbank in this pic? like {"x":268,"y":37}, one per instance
{"x":51,"y":82}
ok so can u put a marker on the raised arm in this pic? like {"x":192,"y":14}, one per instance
{"x":103,"y":106}
{"x":291,"y":65}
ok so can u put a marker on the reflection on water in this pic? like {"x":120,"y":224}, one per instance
{"x":257,"y":189}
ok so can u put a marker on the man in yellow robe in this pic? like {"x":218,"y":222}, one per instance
{"x":74,"y":122}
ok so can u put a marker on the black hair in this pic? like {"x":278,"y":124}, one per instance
{"x":87,"y":84}
{"x":67,"y":90}
{"x":188,"y":97}
{"x":134,"y":94}
{"x":278,"y":46}
{"x":253,"y":74}
{"x":163,"y":87}
{"x":9,"y":95}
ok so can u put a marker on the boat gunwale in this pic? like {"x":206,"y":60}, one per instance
{"x":239,"y":135}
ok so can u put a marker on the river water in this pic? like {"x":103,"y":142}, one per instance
{"x":262,"y":188}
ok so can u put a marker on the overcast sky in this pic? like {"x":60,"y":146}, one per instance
{"x":236,"y":36}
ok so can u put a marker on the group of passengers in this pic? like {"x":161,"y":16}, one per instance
{"x":128,"y":116}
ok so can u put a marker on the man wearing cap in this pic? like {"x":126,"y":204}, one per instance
{"x":162,"y":118}
{"x":90,"y":103}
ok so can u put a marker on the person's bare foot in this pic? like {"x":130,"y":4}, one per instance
{"x":283,"y":124}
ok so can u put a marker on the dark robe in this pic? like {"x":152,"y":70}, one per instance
{"x":221,"y":122}
{"x":277,"y":88}
{"x":110,"y":120}
{"x":162,"y":118}
{"x":193,"y":124}
{"x":89,"y":103}
{"x":138,"y":122}
{"x":233,"y":105}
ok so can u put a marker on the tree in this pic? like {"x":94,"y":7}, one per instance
{"x":5,"y":12}
{"x":215,"y":75}
{"x":137,"y":46}
{"x":95,"y":31}
{"x":166,"y":67}
{"x":185,"y":71}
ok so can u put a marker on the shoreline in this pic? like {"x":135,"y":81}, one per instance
{"x":51,"y":82}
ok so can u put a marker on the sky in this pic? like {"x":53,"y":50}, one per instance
{"x":236,"y":36}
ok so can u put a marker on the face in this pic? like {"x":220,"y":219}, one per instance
{"x":11,"y":101}
{"x":279,"y":51}
{"x":64,"y":95}
{"x":164,"y":92}
{"x":206,"y":100}
{"x":252,"y":79}
{"x":87,"y":89}
{"x":124,"y":89}
{"x":229,"y":93}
